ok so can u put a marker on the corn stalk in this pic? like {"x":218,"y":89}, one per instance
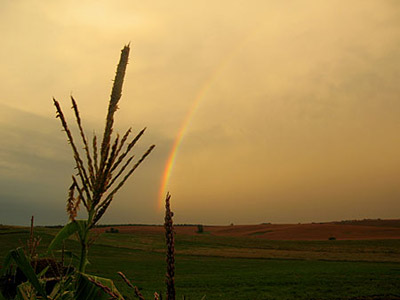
{"x":100,"y":172}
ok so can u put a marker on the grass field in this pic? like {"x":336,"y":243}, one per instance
{"x":227,"y":267}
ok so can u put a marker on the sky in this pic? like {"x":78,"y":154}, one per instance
{"x":269,"y":111}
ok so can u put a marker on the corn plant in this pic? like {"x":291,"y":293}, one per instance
{"x":69,"y":286}
{"x":101,"y":170}
{"x":170,"y":241}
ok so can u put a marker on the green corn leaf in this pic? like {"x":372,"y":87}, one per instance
{"x":6,"y":263}
{"x":23,"y":263}
{"x":43,"y":272}
{"x":55,"y":293}
{"x":63,"y":290}
{"x":78,"y":226}
{"x":88,"y":290}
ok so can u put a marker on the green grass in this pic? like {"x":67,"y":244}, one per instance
{"x":142,"y":259}
{"x":252,"y":247}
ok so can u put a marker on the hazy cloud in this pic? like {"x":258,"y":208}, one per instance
{"x":297,"y":118}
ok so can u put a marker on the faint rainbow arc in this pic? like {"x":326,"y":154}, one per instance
{"x":177,"y":142}
{"x":185,"y":124}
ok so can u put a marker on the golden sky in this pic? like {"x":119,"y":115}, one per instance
{"x":297,"y":116}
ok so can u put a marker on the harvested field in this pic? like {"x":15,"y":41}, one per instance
{"x":346,"y":230}
{"x":241,"y":266}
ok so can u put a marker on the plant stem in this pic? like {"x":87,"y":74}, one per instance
{"x":84,"y":253}
{"x":84,"y":240}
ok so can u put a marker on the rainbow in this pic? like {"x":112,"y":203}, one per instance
{"x":174,"y":149}
{"x":178,"y":139}
{"x":183,"y":128}
{"x":186,"y":122}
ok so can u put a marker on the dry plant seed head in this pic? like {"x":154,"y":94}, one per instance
{"x":169,"y":236}
{"x":80,"y":191}
{"x":125,"y":279}
{"x":84,"y":140}
{"x":94,"y":144}
{"x":72,"y":206}
{"x":78,"y":161}
{"x":131,"y":144}
{"x":32,"y":243}
{"x":100,"y":212}
{"x":76,"y":206}
{"x":135,"y":288}
{"x":124,"y":138}
{"x":106,"y":289}
{"x":115,"y":96}
{"x":73,"y":203}
{"x":35,"y":245}
{"x":138,"y":293}
{"x":100,"y":172}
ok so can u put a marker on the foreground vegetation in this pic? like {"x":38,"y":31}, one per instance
{"x":101,"y":170}
{"x":142,"y":258}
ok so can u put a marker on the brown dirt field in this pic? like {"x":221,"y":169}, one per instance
{"x":353,"y":230}
{"x":312,"y":232}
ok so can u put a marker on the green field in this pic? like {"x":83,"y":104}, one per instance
{"x":240,"y":268}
